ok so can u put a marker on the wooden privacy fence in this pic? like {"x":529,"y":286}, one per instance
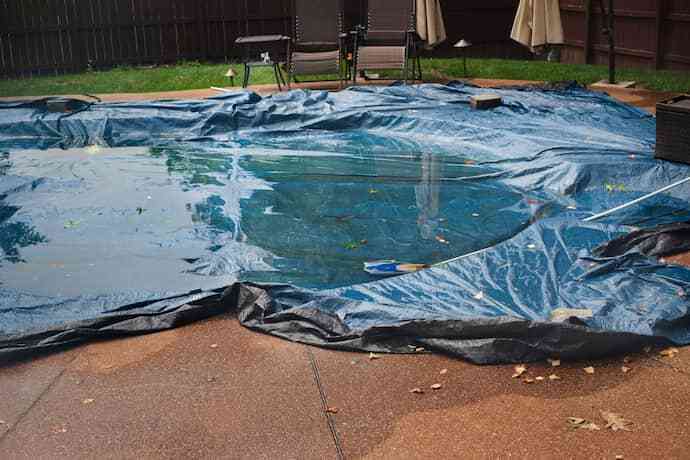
{"x":648,"y":33}
{"x":57,"y":36}
{"x":54,"y":36}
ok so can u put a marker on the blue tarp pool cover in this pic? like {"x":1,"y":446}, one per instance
{"x":121,"y":218}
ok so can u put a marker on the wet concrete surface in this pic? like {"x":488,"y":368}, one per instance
{"x":216,"y":390}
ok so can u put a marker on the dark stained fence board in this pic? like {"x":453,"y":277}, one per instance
{"x":649,"y":33}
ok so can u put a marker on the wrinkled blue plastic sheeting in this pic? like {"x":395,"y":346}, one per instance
{"x":526,"y":174}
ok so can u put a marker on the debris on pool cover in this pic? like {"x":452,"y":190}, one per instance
{"x":271,"y":207}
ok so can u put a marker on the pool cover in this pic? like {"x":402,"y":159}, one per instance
{"x":123,"y":218}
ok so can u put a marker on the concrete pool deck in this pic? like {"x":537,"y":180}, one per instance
{"x":216,"y":390}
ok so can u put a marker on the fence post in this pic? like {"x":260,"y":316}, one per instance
{"x":659,"y":45}
{"x":588,"y":31}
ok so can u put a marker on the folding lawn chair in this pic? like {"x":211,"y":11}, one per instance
{"x":319,"y":40}
{"x":389,"y":40}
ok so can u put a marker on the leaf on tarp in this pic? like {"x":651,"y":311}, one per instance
{"x":539,"y":378}
{"x":616,"y":422}
{"x":625,"y":369}
{"x":578,"y":423}
{"x":332,"y":410}
{"x":419,"y":349}
{"x":441,"y":239}
{"x":554,"y":377}
{"x":474,"y":214}
{"x":88,"y":401}
{"x":418,"y":391}
{"x":589,"y":370}
{"x":443,"y":371}
{"x":528,"y":380}
{"x":478,"y":296}
{"x":72,"y":223}
{"x":373,"y":356}
{"x":554,"y":362}
{"x":214,"y":345}
{"x":436,"y":386}
{"x":531,"y":246}
{"x":669,"y":352}
{"x":519,"y":370}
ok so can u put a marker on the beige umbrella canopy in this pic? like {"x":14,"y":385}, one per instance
{"x":538,"y":24}
{"x":430,"y":25}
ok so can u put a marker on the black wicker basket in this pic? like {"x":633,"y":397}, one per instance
{"x":673,"y":129}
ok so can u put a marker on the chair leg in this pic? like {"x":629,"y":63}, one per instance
{"x":419,"y":67}
{"x":245,"y":81}
{"x":275,"y":71}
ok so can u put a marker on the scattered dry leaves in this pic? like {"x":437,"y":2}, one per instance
{"x":616,"y":422}
{"x":519,"y":370}
{"x":436,"y":386}
{"x":578,"y":423}
{"x":669,"y":352}
{"x":589,"y":370}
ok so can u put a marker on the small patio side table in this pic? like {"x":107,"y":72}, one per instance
{"x":251,"y":47}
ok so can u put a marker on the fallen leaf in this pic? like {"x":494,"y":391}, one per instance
{"x":436,"y":386}
{"x":419,"y":349}
{"x":572,"y":208}
{"x":88,"y":401}
{"x":418,"y":391}
{"x":373,"y":356}
{"x":554,"y":362}
{"x":72,"y":223}
{"x":582,"y":424}
{"x":332,"y":410}
{"x":478,"y":296}
{"x":354,"y":361}
{"x":589,"y":370}
{"x":214,"y":345}
{"x":443,"y":371}
{"x":619,"y":457}
{"x":528,"y":380}
{"x":554,"y":377}
{"x":669,"y":352}
{"x":441,"y":239}
{"x":474,"y":214}
{"x":616,"y":422}
{"x":539,"y":378}
{"x":625,"y":369}
{"x":519,"y":370}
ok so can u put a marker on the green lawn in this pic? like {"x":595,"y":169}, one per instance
{"x":195,"y":76}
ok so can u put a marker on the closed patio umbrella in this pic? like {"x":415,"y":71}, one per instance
{"x":430,"y":26}
{"x":538,"y":24}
